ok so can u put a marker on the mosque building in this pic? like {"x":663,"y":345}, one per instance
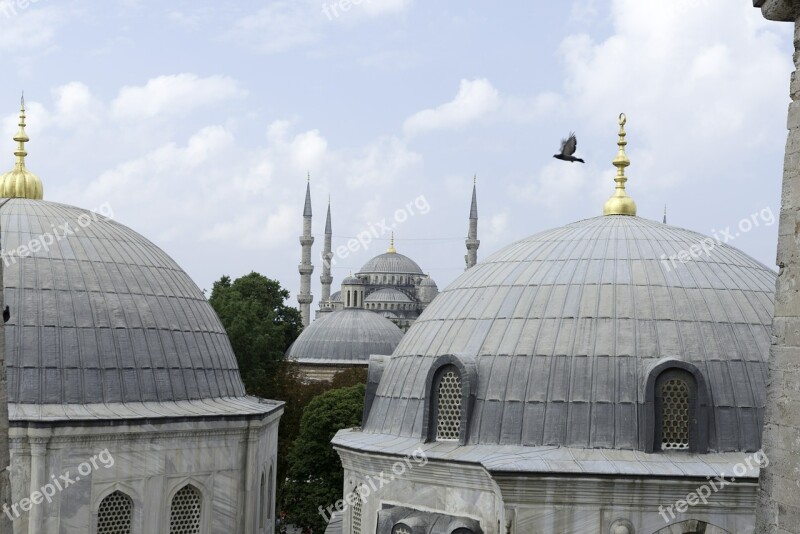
{"x":373,"y":308}
{"x":572,"y":382}
{"x":127,"y":410}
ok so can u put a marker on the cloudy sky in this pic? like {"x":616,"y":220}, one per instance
{"x":198,"y":121}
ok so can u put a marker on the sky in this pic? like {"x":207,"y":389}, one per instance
{"x":198,"y":121}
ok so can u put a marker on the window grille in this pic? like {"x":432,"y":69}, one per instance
{"x":448,"y":413}
{"x":355,"y":518}
{"x":184,"y":517}
{"x":114,"y":514}
{"x":675,"y":417}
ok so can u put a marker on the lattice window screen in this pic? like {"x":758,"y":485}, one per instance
{"x":184,"y":516}
{"x":448,"y":419}
{"x":114,"y":515}
{"x":675,"y":404}
{"x":401,"y":530}
{"x":355,"y":517}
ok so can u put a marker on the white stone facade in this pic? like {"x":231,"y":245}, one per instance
{"x":224,"y":458}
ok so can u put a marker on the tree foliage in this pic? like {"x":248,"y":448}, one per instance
{"x":260,"y":327}
{"x":315,"y":476}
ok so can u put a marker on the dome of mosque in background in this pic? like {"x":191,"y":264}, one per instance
{"x":344,"y":336}
{"x":392,"y":263}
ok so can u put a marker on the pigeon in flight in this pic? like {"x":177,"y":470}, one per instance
{"x":568,"y":147}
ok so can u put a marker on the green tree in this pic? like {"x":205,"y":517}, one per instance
{"x":260,"y":326}
{"x":315,"y":476}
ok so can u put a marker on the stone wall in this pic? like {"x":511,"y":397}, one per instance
{"x":779,"y":494}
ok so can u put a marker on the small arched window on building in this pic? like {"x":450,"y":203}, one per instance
{"x":448,"y":402}
{"x":401,"y":529}
{"x":262,"y":502}
{"x":184,"y":514}
{"x":269,"y":504}
{"x":676,"y":410}
{"x":115,"y":514}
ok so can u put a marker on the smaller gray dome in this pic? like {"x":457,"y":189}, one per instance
{"x":345,"y":336}
{"x":387,"y":295}
{"x":392,"y":263}
{"x":336,"y":297}
{"x":352,"y":281}
{"x":427,"y":282}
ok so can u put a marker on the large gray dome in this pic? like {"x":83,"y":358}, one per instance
{"x":391,"y":263}
{"x":104,"y":315}
{"x":565,"y":325}
{"x":350,"y":335}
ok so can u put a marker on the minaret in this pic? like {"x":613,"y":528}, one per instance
{"x":327,"y":256}
{"x":305,"y":298}
{"x":472,"y":236}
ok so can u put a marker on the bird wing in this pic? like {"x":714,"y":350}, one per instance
{"x":569,"y":145}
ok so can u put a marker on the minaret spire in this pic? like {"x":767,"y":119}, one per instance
{"x":327,"y":256}
{"x":20,"y":182}
{"x":472,"y":236}
{"x":305,"y":298}
{"x":620,"y":203}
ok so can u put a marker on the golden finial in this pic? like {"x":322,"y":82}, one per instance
{"x":392,"y":250}
{"x":308,"y":179}
{"x":620,"y":203}
{"x":20,"y":182}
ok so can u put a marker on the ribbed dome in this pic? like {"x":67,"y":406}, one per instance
{"x":391,"y":263}
{"x":103,"y":315}
{"x":352,"y":281}
{"x":387,"y":295}
{"x":348,"y":335}
{"x":427,"y":282}
{"x":565,"y":325}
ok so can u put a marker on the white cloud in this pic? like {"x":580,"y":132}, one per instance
{"x":287,"y":24}
{"x":475,"y":99}
{"x":175,"y":94}
{"x":30,"y":28}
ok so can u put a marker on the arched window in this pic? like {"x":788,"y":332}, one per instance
{"x":184,"y":514}
{"x":401,"y":529}
{"x":270,"y":505}
{"x":114,"y":514}
{"x":448,"y":404}
{"x":348,"y":298}
{"x":262,"y":502}
{"x":676,"y":410}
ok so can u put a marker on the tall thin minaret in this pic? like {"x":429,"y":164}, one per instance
{"x":327,"y":256}
{"x":305,"y":298}
{"x":472,"y":237}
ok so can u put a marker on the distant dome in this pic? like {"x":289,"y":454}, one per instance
{"x":344,"y":336}
{"x":104,"y":315}
{"x":391,"y":263}
{"x":427,"y":282}
{"x":565,"y":325}
{"x":352,"y":281}
{"x":387,"y":295}
{"x":336,"y":297}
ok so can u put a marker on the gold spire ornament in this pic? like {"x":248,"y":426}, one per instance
{"x":620,"y":203}
{"x":20,"y":182}
{"x":392,"y":250}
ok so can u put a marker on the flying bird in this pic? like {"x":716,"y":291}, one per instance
{"x":568,"y":147}
{"x":6,"y":314}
